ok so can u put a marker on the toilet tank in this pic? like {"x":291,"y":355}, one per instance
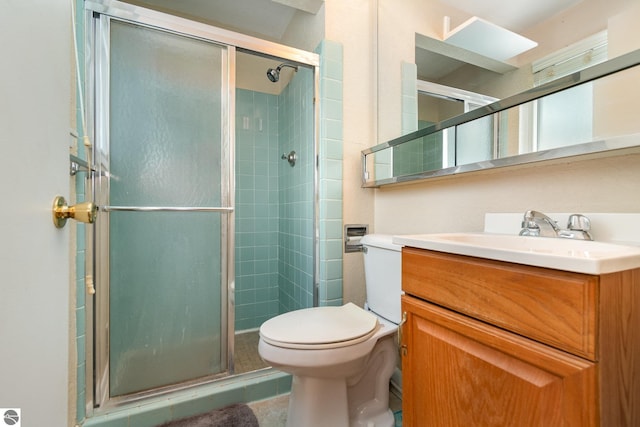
{"x":383,"y":275}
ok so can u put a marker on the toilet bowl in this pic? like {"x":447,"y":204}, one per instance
{"x":340,"y":380}
{"x":342,"y":358}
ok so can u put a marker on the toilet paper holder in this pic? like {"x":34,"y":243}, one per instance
{"x":352,"y":235}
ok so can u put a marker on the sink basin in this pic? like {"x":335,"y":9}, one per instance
{"x":579,"y":256}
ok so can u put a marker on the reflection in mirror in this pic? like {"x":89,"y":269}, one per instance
{"x":571,"y":35}
{"x":574,"y":115}
{"x":437,"y":103}
{"x":557,"y":26}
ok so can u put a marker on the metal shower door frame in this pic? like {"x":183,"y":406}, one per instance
{"x":98,"y":14}
{"x":101,"y":359}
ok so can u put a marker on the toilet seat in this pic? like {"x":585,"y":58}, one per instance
{"x":320,"y":327}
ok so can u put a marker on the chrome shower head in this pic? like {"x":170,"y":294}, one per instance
{"x":274,"y":74}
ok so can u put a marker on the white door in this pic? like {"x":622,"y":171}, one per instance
{"x":35,"y":293}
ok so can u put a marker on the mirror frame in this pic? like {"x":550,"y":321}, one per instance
{"x":595,"y":72}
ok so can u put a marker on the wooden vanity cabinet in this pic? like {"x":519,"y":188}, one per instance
{"x":490,"y":343}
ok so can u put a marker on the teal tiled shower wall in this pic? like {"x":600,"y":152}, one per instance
{"x":80,"y":179}
{"x":274,"y":202}
{"x":331,"y":142}
{"x":257,"y":208}
{"x":276,"y":278}
{"x":295,"y":266}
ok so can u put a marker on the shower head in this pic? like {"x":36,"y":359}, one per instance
{"x":274,"y":74}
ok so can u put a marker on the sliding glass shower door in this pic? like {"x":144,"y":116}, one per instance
{"x":164,"y":187}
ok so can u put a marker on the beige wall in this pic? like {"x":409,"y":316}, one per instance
{"x":351,"y":23}
{"x":616,"y":97}
{"x":305,"y":31}
{"x":610,"y":184}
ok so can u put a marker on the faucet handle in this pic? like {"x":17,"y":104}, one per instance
{"x":578,"y":222}
{"x":529,"y":228}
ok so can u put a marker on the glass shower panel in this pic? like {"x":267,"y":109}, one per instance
{"x":167,"y":281}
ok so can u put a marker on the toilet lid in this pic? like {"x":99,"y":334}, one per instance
{"x":319,"y":326}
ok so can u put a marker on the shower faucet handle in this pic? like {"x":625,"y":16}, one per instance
{"x":291,"y":158}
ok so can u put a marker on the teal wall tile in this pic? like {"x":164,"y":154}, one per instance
{"x":80,"y":182}
{"x":332,"y":90}
{"x":296,"y":192}
{"x":331,"y":147}
{"x":151,"y":416}
{"x":194,"y":401}
{"x":273,"y":199}
{"x":112,"y":419}
{"x":255,"y":181}
{"x":332,"y":129}
{"x":259,"y":390}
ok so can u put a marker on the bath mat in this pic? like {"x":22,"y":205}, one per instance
{"x":237,"y":415}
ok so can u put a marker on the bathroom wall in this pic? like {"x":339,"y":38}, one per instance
{"x":330,"y":173}
{"x":305,"y":31}
{"x":617,"y":97}
{"x":352,"y":25}
{"x":274,"y":201}
{"x":609,"y":184}
{"x":296,"y":193}
{"x":257,"y":162}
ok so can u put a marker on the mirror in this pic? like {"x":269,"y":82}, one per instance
{"x":570,"y":35}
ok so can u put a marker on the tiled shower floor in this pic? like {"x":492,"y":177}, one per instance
{"x":246,"y":355}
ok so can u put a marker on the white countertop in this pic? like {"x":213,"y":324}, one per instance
{"x":580,"y":256}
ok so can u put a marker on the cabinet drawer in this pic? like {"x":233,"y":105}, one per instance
{"x":550,"y":306}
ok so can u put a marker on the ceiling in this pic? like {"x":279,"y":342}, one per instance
{"x":266,"y":19}
{"x":514,"y":15}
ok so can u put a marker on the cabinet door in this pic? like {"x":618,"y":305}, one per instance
{"x":461,"y":372}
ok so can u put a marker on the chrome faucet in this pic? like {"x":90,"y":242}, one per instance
{"x":536,"y":223}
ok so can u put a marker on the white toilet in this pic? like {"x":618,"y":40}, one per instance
{"x":342,"y":358}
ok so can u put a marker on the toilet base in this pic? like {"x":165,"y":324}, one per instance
{"x":357,"y":401}
{"x":318,"y":402}
{"x":385,"y":419}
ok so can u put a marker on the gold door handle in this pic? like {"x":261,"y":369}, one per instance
{"x":83,"y":212}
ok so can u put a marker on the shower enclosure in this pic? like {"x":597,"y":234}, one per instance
{"x":203,"y":230}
